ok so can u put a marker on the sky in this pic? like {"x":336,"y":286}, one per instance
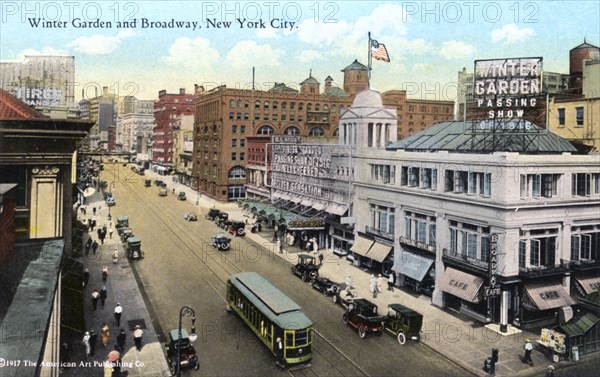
{"x":176,"y":44}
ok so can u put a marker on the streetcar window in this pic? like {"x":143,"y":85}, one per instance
{"x":289,"y":339}
{"x":301,"y":337}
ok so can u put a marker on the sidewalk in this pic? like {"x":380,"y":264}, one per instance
{"x":122,"y":288}
{"x":464,"y":341}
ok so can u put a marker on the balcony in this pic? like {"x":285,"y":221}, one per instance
{"x":464,"y":260}
{"x":582,"y":265}
{"x":548,"y":270}
{"x":417,"y":244}
{"x":379,"y":232}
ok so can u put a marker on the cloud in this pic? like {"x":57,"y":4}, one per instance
{"x":385,"y":20}
{"x":246,"y":54}
{"x":511,"y":33}
{"x":98,"y":44}
{"x":322,"y":34}
{"x":46,"y":50}
{"x":192,"y":53}
{"x":456,"y":50}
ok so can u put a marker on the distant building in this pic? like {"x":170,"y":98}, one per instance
{"x":135,"y":122}
{"x":183,"y":147}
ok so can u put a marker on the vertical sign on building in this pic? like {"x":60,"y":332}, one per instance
{"x":493,"y":290}
{"x":509,"y":92}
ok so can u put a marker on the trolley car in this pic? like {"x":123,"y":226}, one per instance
{"x":272,"y":316}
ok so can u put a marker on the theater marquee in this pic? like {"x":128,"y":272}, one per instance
{"x":510,"y":89}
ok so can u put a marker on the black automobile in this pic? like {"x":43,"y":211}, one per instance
{"x":237,"y":228}
{"x":306,"y":267}
{"x":221,"y":242}
{"x":147,"y":183}
{"x":221,"y":218}
{"x":190,"y":216}
{"x":403,"y":322}
{"x":158,"y":182}
{"x":187,"y":354}
{"x":122,"y":222}
{"x":212,"y":214}
{"x":133,"y":247}
{"x":362,"y":315}
{"x":325,"y":286}
{"x":181,"y":195}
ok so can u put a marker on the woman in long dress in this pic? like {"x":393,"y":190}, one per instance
{"x":105,"y":334}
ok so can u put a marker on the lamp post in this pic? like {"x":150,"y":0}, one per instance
{"x":188,"y":312}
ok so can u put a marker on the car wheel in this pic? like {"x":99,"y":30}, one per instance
{"x":335,"y":298}
{"x":173,"y":369}
{"x":197,"y":366}
{"x":305,"y":277}
{"x":401,"y":338}
{"x":224,"y":246}
{"x":345,"y":318}
{"x":313,"y":274}
{"x":334,"y":289}
{"x":241,"y":231}
{"x":362,"y":332}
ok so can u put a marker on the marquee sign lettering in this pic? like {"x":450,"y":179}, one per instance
{"x":493,"y":290}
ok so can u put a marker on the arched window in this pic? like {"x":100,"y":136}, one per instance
{"x":266,"y":105}
{"x":257,"y":105}
{"x":333,"y":108}
{"x":265,"y":130}
{"x":283,"y":105}
{"x":275,"y":105}
{"x":316,"y":132}
{"x":309,"y":107}
{"x":292,"y":130}
{"x":239,"y":103}
{"x":237,"y":172}
{"x":317,"y":107}
{"x":231,"y":103}
{"x":300,"y":106}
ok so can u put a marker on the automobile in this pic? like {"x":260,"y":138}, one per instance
{"x":324,"y":285}
{"x":141,"y":171}
{"x":181,"y":195}
{"x":403,"y":322}
{"x":133,"y":248}
{"x":362,"y":315}
{"x":147,"y":183}
{"x":306,"y":267}
{"x":106,"y":194}
{"x":190,"y":216}
{"x":224,"y":223}
{"x":158,"y":182}
{"x":110,"y":201}
{"x":221,"y":242}
{"x":237,"y":228}
{"x":343,"y":296}
{"x":122,"y":222}
{"x":126,"y":233}
{"x":103,"y":183}
{"x":212,"y":214}
{"x":162,"y":191}
{"x":187,"y":354}
{"x":221,"y":218}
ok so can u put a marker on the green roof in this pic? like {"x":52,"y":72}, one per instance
{"x":272,"y":302}
{"x":579,"y":326}
{"x":355,"y":66}
{"x":334,"y":91}
{"x":473,"y":137}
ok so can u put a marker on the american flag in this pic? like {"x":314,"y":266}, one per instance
{"x":378,"y":51}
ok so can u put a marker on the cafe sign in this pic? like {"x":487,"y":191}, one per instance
{"x":493,"y":290}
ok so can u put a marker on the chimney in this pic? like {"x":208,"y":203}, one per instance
{"x":181,"y":91}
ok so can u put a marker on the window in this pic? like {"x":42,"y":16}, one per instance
{"x":316,"y":132}
{"x":233,"y":128}
{"x":579,"y":115}
{"x":470,"y":240}
{"x":542,"y":247}
{"x":420,"y":227}
{"x":539,"y":185}
{"x":382,"y":219}
{"x":370,"y":135}
{"x":234,"y":142}
{"x":231,"y":103}
{"x":383,"y":173}
{"x":242,"y":156}
{"x":246,"y":116}
{"x":265,"y":130}
{"x":522,"y":253}
{"x":242,"y":129}
{"x":231,"y":115}
{"x":561,"y":117}
{"x":237,"y":172}
{"x":585,"y":243}
{"x":581,"y":184}
{"x":413,"y":176}
{"x":292,"y":130}
{"x":257,"y":104}
{"x":233,"y":156}
{"x":429,"y":178}
{"x":242,"y":142}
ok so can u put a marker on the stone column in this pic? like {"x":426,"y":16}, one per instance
{"x":443,"y":241}
{"x":504,"y":310}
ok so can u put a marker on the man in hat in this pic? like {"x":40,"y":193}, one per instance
{"x":118,"y":312}
{"x":137,"y":337}
{"x":93,"y":340}
{"x":528,"y":349}
{"x":279,"y":352}
{"x":121,"y":340}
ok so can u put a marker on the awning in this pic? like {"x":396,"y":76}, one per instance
{"x":580,"y":326}
{"x":543,"y":296}
{"x":296,"y":199}
{"x":337,"y":209}
{"x":589,"y":283}
{"x":307,"y":202}
{"x":319,"y":206}
{"x":461,"y":284}
{"x":412,"y":265}
{"x":285,"y":196}
{"x":379,"y":252}
{"x":361,"y":246}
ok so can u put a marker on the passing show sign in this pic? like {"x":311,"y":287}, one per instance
{"x":509,"y":88}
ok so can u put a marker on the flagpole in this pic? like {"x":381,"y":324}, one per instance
{"x":369,"y":61}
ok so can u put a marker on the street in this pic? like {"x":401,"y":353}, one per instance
{"x":180,"y":267}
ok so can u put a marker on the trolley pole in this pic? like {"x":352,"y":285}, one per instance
{"x":188,"y":312}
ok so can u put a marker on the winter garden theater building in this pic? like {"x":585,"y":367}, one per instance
{"x":502,"y":216}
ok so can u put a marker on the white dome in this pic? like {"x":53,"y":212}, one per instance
{"x":368,"y":98}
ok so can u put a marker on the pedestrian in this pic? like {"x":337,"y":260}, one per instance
{"x":118,"y":312}
{"x":103,"y":294}
{"x":114,"y":359}
{"x":86,"y":344}
{"x":89,"y":224}
{"x":137,"y":337}
{"x":88,"y":246}
{"x":86,"y":276}
{"x":94,"y":211}
{"x":121,"y":340}
{"x":380,"y":281}
{"x":315,"y":245}
{"x":95,"y":246}
{"x":105,"y":331}
{"x":275,"y":230}
{"x":391,"y":281}
{"x":99,"y":232}
{"x":95,"y":296}
{"x":321,"y":256}
{"x":259,"y":227}
{"x":348,"y":282}
{"x":93,"y":340}
{"x":528,"y":349}
{"x":104,"y":273}
{"x":279,"y":352}
{"x":110,"y":232}
{"x":278,"y":246}
{"x":373,"y":286}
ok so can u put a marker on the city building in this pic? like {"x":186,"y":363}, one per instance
{"x":578,"y":56}
{"x":135,"y":122}
{"x":183,"y":147}
{"x":37,"y":178}
{"x":499,"y":224}
{"x":226,"y":117}
{"x":167,"y":110}
{"x":100,"y":109}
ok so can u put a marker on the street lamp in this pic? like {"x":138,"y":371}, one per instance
{"x":188,"y":312}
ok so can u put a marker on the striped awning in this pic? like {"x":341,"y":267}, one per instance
{"x":461,"y":284}
{"x":319,"y":206}
{"x":589,"y":283}
{"x":543,"y":296}
{"x":361,"y":246}
{"x":307,"y":202}
{"x":379,"y":252}
{"x":412,"y":265}
{"x":337,"y":209}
